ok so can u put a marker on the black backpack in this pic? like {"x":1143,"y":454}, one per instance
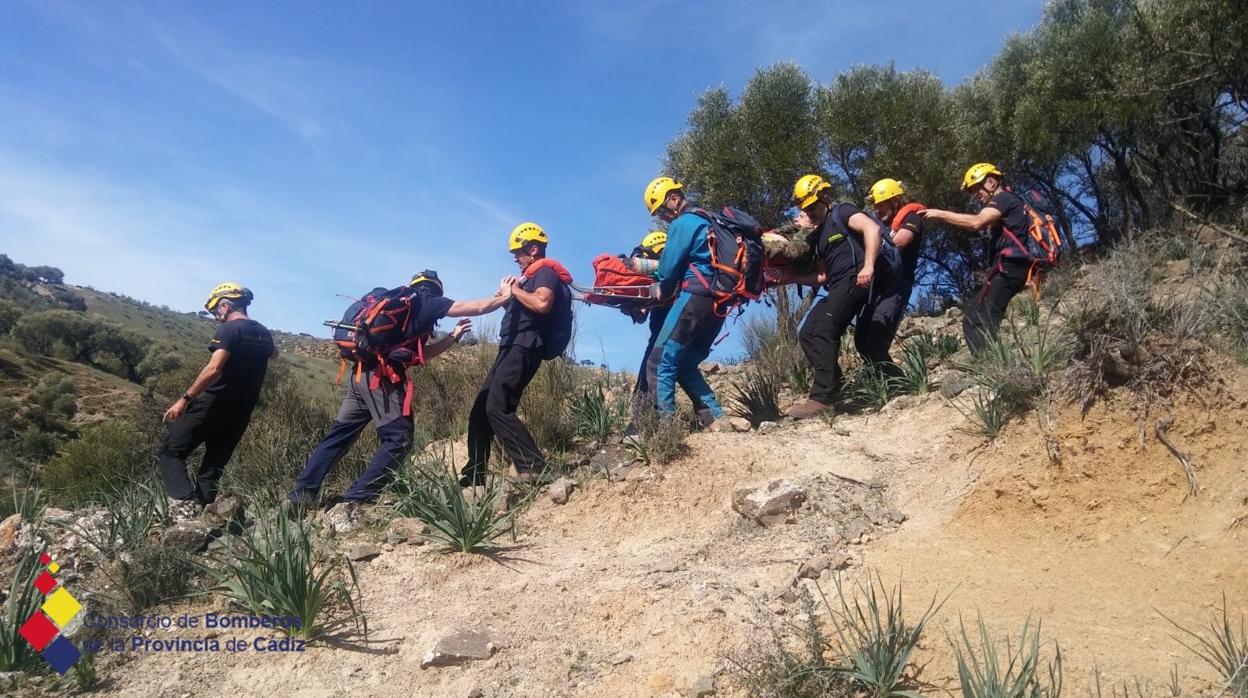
{"x":738,"y":260}
{"x":379,"y":323}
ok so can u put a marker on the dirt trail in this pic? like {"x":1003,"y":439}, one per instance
{"x":639,"y":588}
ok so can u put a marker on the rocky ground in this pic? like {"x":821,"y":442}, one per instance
{"x":648,"y":583}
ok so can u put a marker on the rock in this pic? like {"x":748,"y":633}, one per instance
{"x":223,"y":511}
{"x":343,"y":519}
{"x":619,"y":658}
{"x":817,"y":565}
{"x":560,"y":489}
{"x":8,"y":533}
{"x":771,"y":504}
{"x":361,"y":552}
{"x":955,"y":383}
{"x":709,"y":368}
{"x":476,"y":693}
{"x":667,"y":564}
{"x":644,"y":474}
{"x":767,"y":427}
{"x":54,"y":515}
{"x":855,"y":528}
{"x":725,"y":425}
{"x":187,"y":536}
{"x":405,"y":530}
{"x":903,"y":402}
{"x":461,"y":647}
{"x":612,"y":460}
{"x":704,"y":687}
{"x":896,"y":517}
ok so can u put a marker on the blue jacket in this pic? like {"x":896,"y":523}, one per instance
{"x":686,"y":250}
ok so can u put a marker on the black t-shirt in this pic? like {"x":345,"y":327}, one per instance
{"x":524,"y":328}
{"x":1013,"y":217}
{"x":250,"y":346}
{"x":910,"y":253}
{"x":838,"y":246}
{"x":432,"y":309}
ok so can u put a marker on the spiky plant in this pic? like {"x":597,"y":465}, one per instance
{"x":983,"y":674}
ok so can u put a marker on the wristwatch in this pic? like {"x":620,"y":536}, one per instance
{"x":187,"y":397}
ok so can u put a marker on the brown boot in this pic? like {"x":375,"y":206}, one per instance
{"x":808,"y":408}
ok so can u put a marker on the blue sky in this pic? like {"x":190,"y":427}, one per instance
{"x":309,"y":149}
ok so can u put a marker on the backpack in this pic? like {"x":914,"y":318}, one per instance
{"x":378,"y":324}
{"x":1042,"y":243}
{"x":738,"y":260}
{"x":900,"y":216}
{"x":558,"y":333}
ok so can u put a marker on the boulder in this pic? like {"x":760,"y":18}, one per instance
{"x":955,"y":383}
{"x":8,"y":533}
{"x":704,"y":687}
{"x":725,"y":425}
{"x":560,"y":490}
{"x":343,"y":519}
{"x":817,"y":565}
{"x":767,"y":427}
{"x":405,"y":530}
{"x":187,"y":536}
{"x":361,"y":552}
{"x":612,"y":460}
{"x":771,"y":504}
{"x":460,"y":647}
{"x":223,"y":511}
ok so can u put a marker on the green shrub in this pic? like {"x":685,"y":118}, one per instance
{"x":275,"y":570}
{"x":154,"y":574}
{"x":660,"y":441}
{"x":756,"y":395}
{"x":777,"y":353}
{"x":791,"y":661}
{"x":464,"y":523}
{"x":21,"y":601}
{"x":982,"y":674}
{"x":876,"y":638}
{"x":544,"y":407}
{"x":131,"y":511}
{"x":988,"y":414}
{"x":103,"y":455}
{"x":1222,"y":646}
{"x":445,"y":390}
{"x":593,"y":418}
{"x":914,"y":378}
{"x":52,"y":403}
{"x":871,"y":386}
{"x":9,"y":315}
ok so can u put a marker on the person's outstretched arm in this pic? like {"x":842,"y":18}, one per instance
{"x":484,"y":305}
{"x":967,"y":221}
{"x":436,"y":348}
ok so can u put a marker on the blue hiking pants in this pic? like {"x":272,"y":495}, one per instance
{"x":684,"y":342}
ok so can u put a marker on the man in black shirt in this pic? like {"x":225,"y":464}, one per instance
{"x":846,"y":244}
{"x":217,"y":407}
{"x":371,"y":397}
{"x":536,"y":326}
{"x":1004,"y":214}
{"x":877,"y":326}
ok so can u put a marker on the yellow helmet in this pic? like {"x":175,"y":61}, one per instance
{"x":655,"y":241}
{"x":526,"y":233}
{"x":228,"y":290}
{"x":657,"y":191}
{"x":428,"y":277}
{"x":806,"y":190}
{"x":978,"y":172}
{"x":884,"y":190}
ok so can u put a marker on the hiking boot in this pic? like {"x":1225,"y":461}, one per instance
{"x":808,"y":408}
{"x":472,"y":477}
{"x":704,"y":417}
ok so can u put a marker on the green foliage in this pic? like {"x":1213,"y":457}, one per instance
{"x":1019,"y":365}
{"x":914,"y":378}
{"x":445,"y":389}
{"x":9,"y":315}
{"x":130,"y":511}
{"x":1222,"y":646}
{"x":152,"y":574}
{"x":659,"y":441}
{"x":73,"y":336}
{"x":876,"y":638}
{"x":468,"y":524}
{"x":20,"y":602}
{"x":25,"y":499}
{"x":988,"y":414}
{"x":52,"y":403}
{"x":772,"y":346}
{"x":871,"y":386}
{"x":982,"y":674}
{"x":104,"y":454}
{"x":593,"y":418}
{"x":86,"y":676}
{"x":791,"y":661}
{"x":940,"y":346}
{"x":756,"y":396}
{"x":276,"y":570}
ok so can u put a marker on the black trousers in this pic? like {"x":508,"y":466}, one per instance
{"x":877,"y":326}
{"x":982,"y":315}
{"x":821,"y":336}
{"x":216,"y":425}
{"x":494,"y":413}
